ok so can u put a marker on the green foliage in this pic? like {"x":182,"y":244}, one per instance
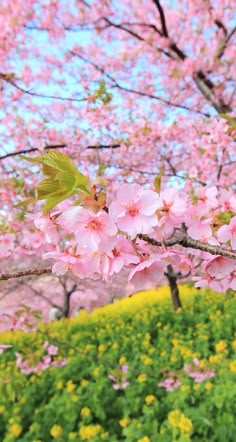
{"x":101,"y":94}
{"x":231,"y":121}
{"x":77,"y":401}
{"x":61,"y":179}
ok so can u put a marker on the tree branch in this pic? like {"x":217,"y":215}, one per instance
{"x":58,"y":146}
{"x":35,"y":94}
{"x":162,"y":18}
{"x":184,"y":241}
{"x":188,"y":242}
{"x":6,"y":276}
{"x":32,"y":149}
{"x":203,"y":83}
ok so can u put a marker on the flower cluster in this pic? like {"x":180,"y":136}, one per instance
{"x":47,"y":361}
{"x":99,"y":243}
{"x":119,"y":380}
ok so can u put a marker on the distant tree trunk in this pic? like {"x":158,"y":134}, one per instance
{"x":66,"y":300}
{"x":174,"y":291}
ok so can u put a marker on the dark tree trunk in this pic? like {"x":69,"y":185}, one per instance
{"x":174,"y":291}
{"x":66,"y":300}
{"x":66,"y":305}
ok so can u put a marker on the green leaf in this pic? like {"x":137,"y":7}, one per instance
{"x":25,"y":202}
{"x":157,"y":180}
{"x":61,"y":179}
{"x":231,"y":121}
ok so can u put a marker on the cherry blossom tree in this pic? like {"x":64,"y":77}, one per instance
{"x":141,"y":96}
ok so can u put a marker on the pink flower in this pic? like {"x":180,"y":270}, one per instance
{"x":227,"y":201}
{"x":82,"y":264}
{"x":51,"y":349}
{"x":92,"y":230}
{"x":147,"y":274}
{"x":210,"y":282}
{"x":122,"y":255}
{"x":134,"y":209}
{"x":199,"y":229}
{"x":198,"y":374}
{"x":119,"y":383}
{"x":208,"y":198}
{"x":6,"y":244}
{"x":219,"y":266}
{"x":228,"y":233}
{"x":45,"y":224}
{"x":230,"y":281}
{"x":169,"y":384}
{"x":172,"y":206}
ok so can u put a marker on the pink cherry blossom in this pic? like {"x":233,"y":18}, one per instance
{"x":170,"y":384}
{"x":134,"y":209}
{"x":147,"y":274}
{"x":7,"y":244}
{"x":46,"y":225}
{"x":228,"y":233}
{"x":121,"y":256}
{"x":82,"y":263}
{"x":198,"y":374}
{"x":92,"y":230}
{"x":119,"y":380}
{"x":209,"y":281}
{"x":172,"y":207}
{"x":219,"y":266}
{"x":207,"y":198}
{"x":199,"y":228}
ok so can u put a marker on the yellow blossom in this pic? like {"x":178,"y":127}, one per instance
{"x":149,"y":399}
{"x":124,"y":422}
{"x":56,"y":431}
{"x":86,"y":432}
{"x":2,"y":409}
{"x":15,"y":430}
{"x":70,"y":386}
{"x":72,"y":436}
{"x":185,"y":388}
{"x":185,"y":424}
{"x":174,"y":418}
{"x":178,"y":420}
{"x":144,"y":439}
{"x":221,"y":346}
{"x":214,"y":359}
{"x":122,"y":360}
{"x":232,"y":366}
{"x":208,"y":386}
{"x":59,"y":385}
{"x":142,"y":378}
{"x":101,"y":348}
{"x":84,"y":383}
{"x":96,"y":371}
{"x":85,"y":412}
{"x":146,"y":360}
{"x":234,"y":345}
